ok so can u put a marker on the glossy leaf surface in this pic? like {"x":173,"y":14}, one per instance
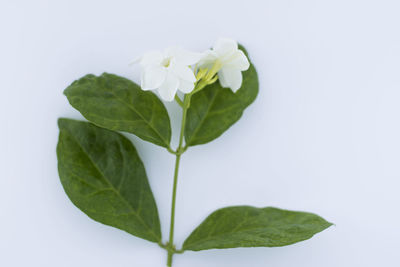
{"x":116,"y":103}
{"x":245,"y":226}
{"x":104,"y":177}
{"x":215,"y":109}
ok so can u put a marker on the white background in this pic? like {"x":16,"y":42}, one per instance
{"x":323,"y":135}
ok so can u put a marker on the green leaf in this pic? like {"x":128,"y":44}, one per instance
{"x":104,"y":177}
{"x":116,"y":103}
{"x":214,"y":109}
{"x":245,"y":226}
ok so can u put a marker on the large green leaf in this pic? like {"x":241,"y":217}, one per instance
{"x":214,"y":109}
{"x":245,"y":226}
{"x":103,"y":176}
{"x":116,"y":103}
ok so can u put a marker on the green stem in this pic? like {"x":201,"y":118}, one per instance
{"x":178,"y":100}
{"x":179,"y":152}
{"x":172,"y":225}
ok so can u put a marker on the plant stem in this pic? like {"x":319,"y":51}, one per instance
{"x":179,"y":152}
{"x":172,"y":225}
{"x":178,"y":100}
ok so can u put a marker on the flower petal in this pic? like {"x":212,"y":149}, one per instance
{"x":151,"y":58}
{"x":183,"y":72}
{"x":238,"y":61}
{"x":185,"y":86}
{"x":232,"y":78}
{"x":153,"y":77}
{"x":224,"y":46}
{"x":169,"y":87}
{"x":207,"y":60}
{"x":183,"y":56}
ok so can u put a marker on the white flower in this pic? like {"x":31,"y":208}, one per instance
{"x":168,"y":71}
{"x":232,"y":62}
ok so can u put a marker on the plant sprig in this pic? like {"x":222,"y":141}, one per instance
{"x":104,"y":176}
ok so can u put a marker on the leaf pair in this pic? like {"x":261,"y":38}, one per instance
{"x":103,"y":176}
{"x":118,"y":104}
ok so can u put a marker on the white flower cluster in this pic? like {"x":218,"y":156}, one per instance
{"x":172,"y":69}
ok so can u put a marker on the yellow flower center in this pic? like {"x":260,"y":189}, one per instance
{"x":166,"y":62}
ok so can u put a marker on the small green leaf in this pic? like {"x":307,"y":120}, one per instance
{"x":104,"y":177}
{"x":214,"y":109}
{"x":116,"y":103}
{"x":245,"y":226}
